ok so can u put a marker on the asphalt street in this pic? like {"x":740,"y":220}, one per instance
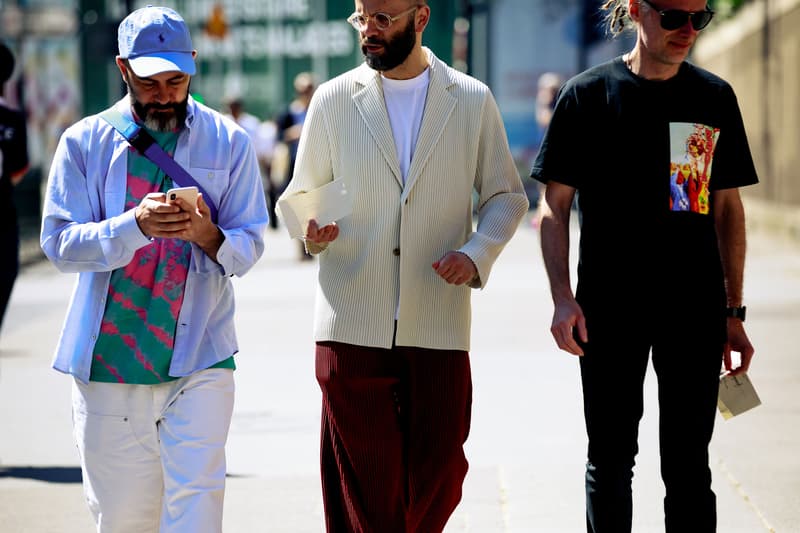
{"x":527,"y":443}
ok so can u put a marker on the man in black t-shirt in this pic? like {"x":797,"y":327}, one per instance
{"x":661,"y":254}
{"x":14,"y":164}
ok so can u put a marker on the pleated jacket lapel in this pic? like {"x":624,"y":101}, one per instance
{"x":371,"y":106}
{"x":439,"y":104}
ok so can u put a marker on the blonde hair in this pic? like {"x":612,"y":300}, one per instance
{"x":617,"y":17}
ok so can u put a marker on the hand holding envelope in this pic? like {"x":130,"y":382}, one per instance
{"x":325,"y":205}
{"x":736,"y":395}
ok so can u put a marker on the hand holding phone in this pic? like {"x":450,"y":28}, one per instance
{"x":187,"y":194}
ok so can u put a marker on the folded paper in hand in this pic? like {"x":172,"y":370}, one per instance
{"x":325,"y":204}
{"x":736,"y":395}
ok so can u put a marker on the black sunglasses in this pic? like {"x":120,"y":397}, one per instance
{"x":672,"y":19}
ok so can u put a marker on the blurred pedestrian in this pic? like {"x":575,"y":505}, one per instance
{"x":13,"y":166}
{"x":413,"y":139}
{"x":266,"y":150}
{"x":263,"y":136}
{"x":651,"y":278}
{"x":290,"y":121}
{"x":236,"y":112}
{"x":547,"y":89}
{"x":289,"y":125}
{"x":149,"y":335}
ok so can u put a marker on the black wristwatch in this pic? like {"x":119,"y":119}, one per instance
{"x":736,"y":312}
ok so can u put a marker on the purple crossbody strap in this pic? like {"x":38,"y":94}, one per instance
{"x":147,"y":146}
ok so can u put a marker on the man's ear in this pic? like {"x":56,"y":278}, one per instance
{"x":423,"y":16}
{"x":122,"y":68}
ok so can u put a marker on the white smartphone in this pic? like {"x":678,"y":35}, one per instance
{"x":189,"y":194}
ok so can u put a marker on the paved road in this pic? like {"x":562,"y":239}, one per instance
{"x":527,"y":444}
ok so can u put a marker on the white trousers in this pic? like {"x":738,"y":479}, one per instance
{"x":153,"y":456}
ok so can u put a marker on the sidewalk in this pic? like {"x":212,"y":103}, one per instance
{"x":527,"y":445}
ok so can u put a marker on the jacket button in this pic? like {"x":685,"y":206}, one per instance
{"x":396,"y":251}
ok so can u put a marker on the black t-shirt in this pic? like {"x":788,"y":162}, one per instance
{"x":14,"y":156}
{"x":640,"y":154}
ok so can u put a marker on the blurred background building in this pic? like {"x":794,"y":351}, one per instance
{"x":252,"y":49}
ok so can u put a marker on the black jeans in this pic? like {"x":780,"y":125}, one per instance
{"x":9,"y":266}
{"x":612,"y":372}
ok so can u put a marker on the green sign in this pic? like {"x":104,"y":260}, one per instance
{"x":250,"y":49}
{"x":265,"y":45}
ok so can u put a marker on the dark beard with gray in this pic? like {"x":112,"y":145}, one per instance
{"x":161,"y":117}
{"x":394,"y":52}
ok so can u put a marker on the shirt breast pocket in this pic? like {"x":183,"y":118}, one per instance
{"x":213,"y":181}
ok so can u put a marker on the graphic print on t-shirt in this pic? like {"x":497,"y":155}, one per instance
{"x":691,"y":154}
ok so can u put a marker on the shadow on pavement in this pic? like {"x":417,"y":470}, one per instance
{"x":57,"y":474}
{"x":51,"y":474}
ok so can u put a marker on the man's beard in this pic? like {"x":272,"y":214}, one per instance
{"x":160,"y":117}
{"x":395,"y":51}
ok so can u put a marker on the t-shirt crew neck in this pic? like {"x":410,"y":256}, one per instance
{"x":618,"y":64}
{"x":405,"y":104}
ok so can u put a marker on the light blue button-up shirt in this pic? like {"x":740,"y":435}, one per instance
{"x":85,"y":229}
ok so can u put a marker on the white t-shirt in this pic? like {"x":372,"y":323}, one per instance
{"x":405,"y":103}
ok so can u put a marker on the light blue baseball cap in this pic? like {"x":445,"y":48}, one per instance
{"x":156,"y":40}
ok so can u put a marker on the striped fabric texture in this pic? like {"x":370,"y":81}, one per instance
{"x":385,"y":249}
{"x":394,"y":424}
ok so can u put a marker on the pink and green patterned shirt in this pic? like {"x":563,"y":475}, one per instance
{"x":137,"y":334}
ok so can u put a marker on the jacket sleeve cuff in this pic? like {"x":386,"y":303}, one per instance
{"x":472,"y":252}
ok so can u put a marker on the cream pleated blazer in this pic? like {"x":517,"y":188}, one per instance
{"x":379,"y":268}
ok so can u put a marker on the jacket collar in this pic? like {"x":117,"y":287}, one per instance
{"x":439,"y":104}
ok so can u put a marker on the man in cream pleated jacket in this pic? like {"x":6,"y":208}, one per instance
{"x":413,"y":139}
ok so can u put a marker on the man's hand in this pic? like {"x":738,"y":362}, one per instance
{"x":737,"y":342}
{"x":180,"y":220}
{"x":323,"y":235}
{"x":567,"y":316}
{"x":157,"y":218}
{"x":456,"y":268}
{"x":201,"y":228}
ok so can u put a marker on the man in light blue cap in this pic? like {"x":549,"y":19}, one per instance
{"x":155,"y":46}
{"x":149,"y":335}
{"x":155,"y":40}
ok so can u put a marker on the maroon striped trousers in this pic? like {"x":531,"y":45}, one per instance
{"x":394,"y":423}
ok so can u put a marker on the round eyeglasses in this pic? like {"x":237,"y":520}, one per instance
{"x":672,"y":19}
{"x":382,"y":21}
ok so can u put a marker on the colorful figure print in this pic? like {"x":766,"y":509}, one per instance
{"x":692,"y":152}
